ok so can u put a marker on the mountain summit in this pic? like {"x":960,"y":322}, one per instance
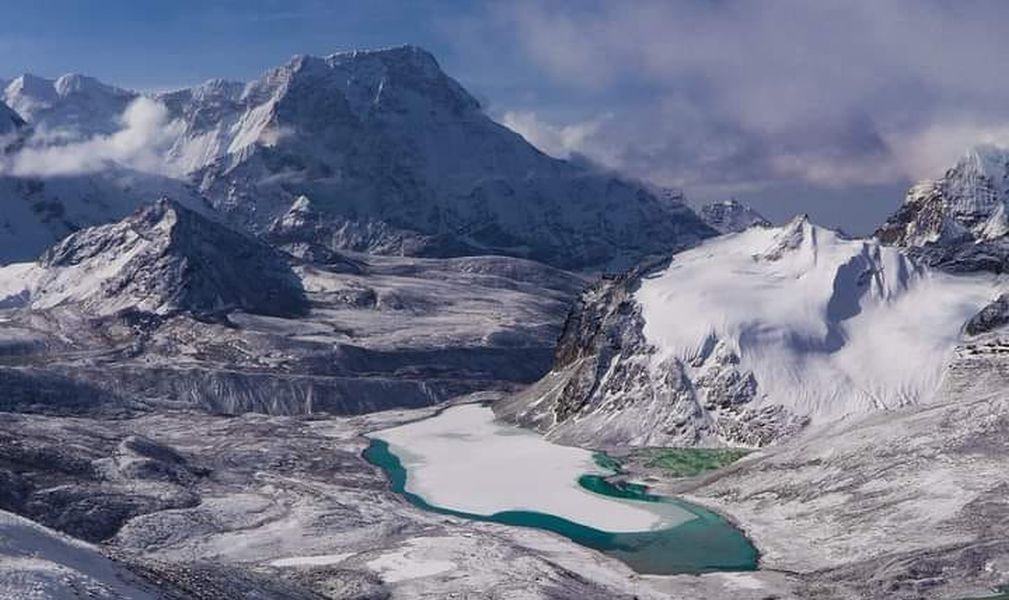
{"x":395,"y":156}
{"x":751,"y":338}
{"x":399,"y":158}
{"x":732,"y":216}
{"x":164,"y":259}
{"x":71,"y":104}
{"x":960,"y":221}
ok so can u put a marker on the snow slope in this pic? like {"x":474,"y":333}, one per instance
{"x":828,"y":326}
{"x":750,"y":338}
{"x":37,"y":563}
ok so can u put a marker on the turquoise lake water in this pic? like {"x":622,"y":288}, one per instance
{"x":703,"y":544}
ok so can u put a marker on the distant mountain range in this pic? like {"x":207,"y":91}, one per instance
{"x":393,"y":153}
{"x":381,"y":153}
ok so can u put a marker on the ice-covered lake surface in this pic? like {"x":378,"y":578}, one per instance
{"x":465,"y":463}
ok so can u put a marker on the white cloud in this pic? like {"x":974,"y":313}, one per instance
{"x":559,"y":141}
{"x":141,"y":143}
{"x":832,"y":93}
{"x":931,"y":150}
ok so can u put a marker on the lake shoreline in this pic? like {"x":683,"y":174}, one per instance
{"x":703,"y":542}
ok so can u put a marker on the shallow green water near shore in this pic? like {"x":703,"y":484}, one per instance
{"x":705,"y":543}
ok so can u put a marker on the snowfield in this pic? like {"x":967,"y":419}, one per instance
{"x":828,"y":326}
{"x":753,"y":338}
{"x":509,"y":469}
{"x":38,"y":563}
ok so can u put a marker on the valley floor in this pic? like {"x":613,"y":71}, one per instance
{"x":255,"y":506}
{"x":287,"y":507}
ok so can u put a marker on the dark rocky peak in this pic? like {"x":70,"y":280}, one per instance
{"x":305,"y":233}
{"x":959,"y":222}
{"x":167,"y":258}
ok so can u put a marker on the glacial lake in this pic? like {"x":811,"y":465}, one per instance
{"x":464,"y":463}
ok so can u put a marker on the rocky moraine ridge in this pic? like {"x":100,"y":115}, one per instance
{"x":169,"y":308}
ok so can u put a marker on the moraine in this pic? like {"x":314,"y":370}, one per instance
{"x":515,"y":477}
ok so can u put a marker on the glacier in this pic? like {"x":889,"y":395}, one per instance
{"x":753,"y":337}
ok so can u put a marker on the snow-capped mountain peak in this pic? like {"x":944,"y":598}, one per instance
{"x":29,"y":86}
{"x":396,"y":156}
{"x":73,"y":104}
{"x":959,"y":221}
{"x":74,"y":83}
{"x":162,"y":259}
{"x":798,"y":234}
{"x":967,"y":202}
{"x":751,"y":337}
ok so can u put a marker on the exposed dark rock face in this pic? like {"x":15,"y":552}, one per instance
{"x":10,"y":121}
{"x":990,"y":318}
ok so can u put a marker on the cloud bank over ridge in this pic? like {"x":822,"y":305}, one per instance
{"x":733,"y":97}
{"x":146,"y":134}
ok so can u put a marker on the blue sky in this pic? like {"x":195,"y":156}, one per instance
{"x":829,"y":107}
{"x":148,"y":44}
